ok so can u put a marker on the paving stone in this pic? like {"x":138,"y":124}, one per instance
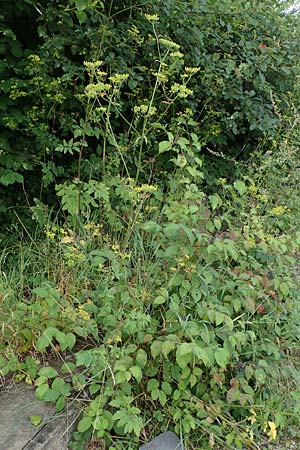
{"x":165,"y":441}
{"x":17,"y":404}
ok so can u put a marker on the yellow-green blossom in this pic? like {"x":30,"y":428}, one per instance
{"x":92,"y":65}
{"x":146,"y":188}
{"x":181,"y":90}
{"x":118,"y":78}
{"x":152,"y":17}
{"x":83,"y":314}
{"x":278,"y":210}
{"x":177,"y":54}
{"x":169,"y":44}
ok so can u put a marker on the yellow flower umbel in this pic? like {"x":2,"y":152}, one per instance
{"x":82,"y":313}
{"x":279,"y":210}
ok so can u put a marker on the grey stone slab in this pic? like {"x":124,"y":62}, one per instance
{"x":55,"y":434}
{"x":164,"y":441}
{"x":17,"y":404}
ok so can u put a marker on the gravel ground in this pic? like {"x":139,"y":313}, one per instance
{"x":283,"y":444}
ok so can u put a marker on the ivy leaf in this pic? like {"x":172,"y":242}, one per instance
{"x":152,"y":384}
{"x":68,"y":367}
{"x":159,"y":300}
{"x":41,"y":391}
{"x":156,"y":348}
{"x":155,"y":394}
{"x":70,"y":340}
{"x":48,"y":372}
{"x":60,"y":386}
{"x":215,"y":201}
{"x":141,"y":358}
{"x":162,"y":398}
{"x":222,"y":357}
{"x":84,"y":424}
{"x":136,"y":372}
{"x":167,"y":347}
{"x":240,"y":187}
{"x":202,"y":354}
{"x":60,"y":404}
{"x":166,"y":387}
{"x":219,"y":318}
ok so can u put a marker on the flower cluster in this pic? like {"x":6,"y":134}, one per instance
{"x":279,"y":210}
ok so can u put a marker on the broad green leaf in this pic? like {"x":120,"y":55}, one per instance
{"x":193,"y":380}
{"x":167,"y":347}
{"x":94,"y":388}
{"x":155,"y":394}
{"x":60,"y":404}
{"x":81,"y":16}
{"x":159,"y":300}
{"x":152,"y":384}
{"x":11,"y":177}
{"x":62,"y":338}
{"x":68,"y":367}
{"x":48,"y":372}
{"x":249,"y":371}
{"x":260,"y":375}
{"x":184,"y":354}
{"x":193,"y":209}
{"x":84,"y":424}
{"x":164,"y":146}
{"x":136,"y":372}
{"x":215,"y":201}
{"x":201,"y":353}
{"x":162,"y":398}
{"x":43,"y":342}
{"x":100,"y":423}
{"x":240,"y":187}
{"x":222,"y":357}
{"x":185,"y":348}
{"x":166,"y":387}
{"x":40,"y":380}
{"x":156,"y":348}
{"x":51,"y":395}
{"x":60,"y":386}
{"x":218,"y":224}
{"x":210,"y":227}
{"x":141,"y":358}
{"x":41,"y":391}
{"x":70,"y":340}
{"x":219,"y":318}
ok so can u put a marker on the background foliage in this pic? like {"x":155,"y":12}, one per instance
{"x":247,"y":63}
{"x":149,"y":169}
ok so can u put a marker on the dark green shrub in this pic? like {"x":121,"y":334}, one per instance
{"x":247,"y":63}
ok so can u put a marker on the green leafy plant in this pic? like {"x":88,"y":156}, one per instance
{"x":164,"y":274}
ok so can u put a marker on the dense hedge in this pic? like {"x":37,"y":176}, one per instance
{"x":245,"y":52}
